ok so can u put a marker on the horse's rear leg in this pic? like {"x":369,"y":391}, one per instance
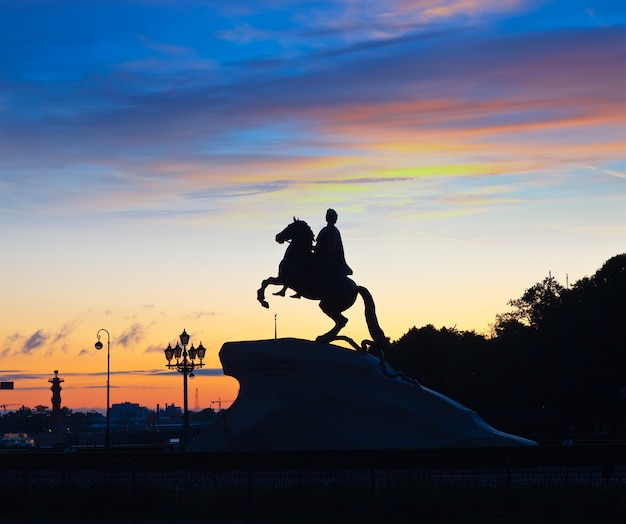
{"x":340,"y":322}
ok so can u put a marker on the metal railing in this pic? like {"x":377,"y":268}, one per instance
{"x":365,"y":486}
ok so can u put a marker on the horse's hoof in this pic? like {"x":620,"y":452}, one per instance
{"x":265,"y":304}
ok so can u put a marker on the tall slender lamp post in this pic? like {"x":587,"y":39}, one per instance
{"x":185,"y":364}
{"x":98,"y":345}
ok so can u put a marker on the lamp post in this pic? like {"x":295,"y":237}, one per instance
{"x":185,"y":364}
{"x":98,"y":345}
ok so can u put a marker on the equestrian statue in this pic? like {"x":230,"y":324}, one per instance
{"x":320,"y":272}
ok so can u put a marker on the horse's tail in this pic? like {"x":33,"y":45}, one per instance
{"x":380,"y":341}
{"x":376,"y":332}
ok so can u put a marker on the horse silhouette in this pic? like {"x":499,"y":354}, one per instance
{"x":301,"y":271}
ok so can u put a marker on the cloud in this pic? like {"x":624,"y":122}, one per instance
{"x":53,"y":339}
{"x":406,"y":92}
{"x":35,"y":341}
{"x":21,"y":375}
{"x":8,"y":344}
{"x":132,"y":336}
{"x":196,"y":315}
{"x":14,"y":337}
{"x":244,"y":34}
{"x":18,"y":375}
{"x":64,"y":331}
{"x":359,"y":20}
{"x":154,"y":349}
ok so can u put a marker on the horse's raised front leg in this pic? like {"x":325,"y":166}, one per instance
{"x":260,"y":294}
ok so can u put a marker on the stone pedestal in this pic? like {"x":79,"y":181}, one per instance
{"x":302,"y":395}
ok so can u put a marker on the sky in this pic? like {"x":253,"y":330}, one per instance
{"x":151,"y":150}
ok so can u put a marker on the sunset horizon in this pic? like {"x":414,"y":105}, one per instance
{"x":150,"y":153}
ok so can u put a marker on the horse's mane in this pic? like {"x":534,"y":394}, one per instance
{"x":305,"y":227}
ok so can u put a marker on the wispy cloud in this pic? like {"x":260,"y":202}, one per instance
{"x":35,"y":341}
{"x":19,"y":376}
{"x":166,"y":120}
{"x":347,"y":113}
{"x":197,"y":315}
{"x":64,"y":331}
{"x":132,"y":336}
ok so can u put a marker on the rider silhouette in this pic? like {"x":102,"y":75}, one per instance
{"x":329,"y":251}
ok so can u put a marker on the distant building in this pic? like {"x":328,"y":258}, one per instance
{"x":172,"y":414}
{"x":128,"y":416}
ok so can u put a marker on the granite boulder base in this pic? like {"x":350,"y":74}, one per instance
{"x":302,"y":395}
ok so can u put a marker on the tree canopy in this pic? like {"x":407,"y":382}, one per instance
{"x":555,"y":364}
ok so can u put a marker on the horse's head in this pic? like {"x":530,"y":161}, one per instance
{"x":298,"y":231}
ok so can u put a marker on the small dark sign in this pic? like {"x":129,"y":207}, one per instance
{"x":6,"y":385}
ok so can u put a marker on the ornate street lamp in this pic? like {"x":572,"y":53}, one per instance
{"x":98,"y":345}
{"x":185,"y":364}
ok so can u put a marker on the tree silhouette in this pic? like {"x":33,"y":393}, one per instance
{"x":556,"y":361}
{"x":537,"y":306}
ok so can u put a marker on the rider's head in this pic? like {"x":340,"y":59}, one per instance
{"x":331,"y":216}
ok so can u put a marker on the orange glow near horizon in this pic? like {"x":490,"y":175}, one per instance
{"x":469,"y":146}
